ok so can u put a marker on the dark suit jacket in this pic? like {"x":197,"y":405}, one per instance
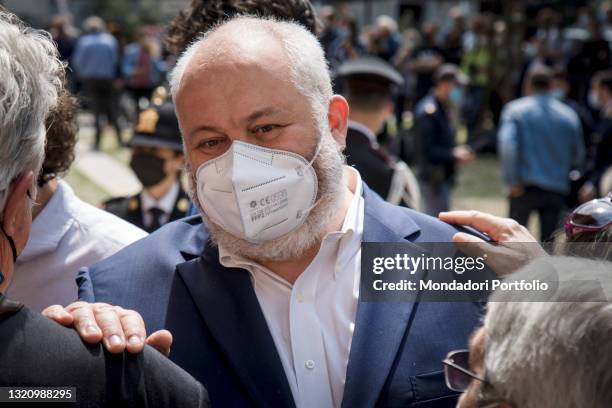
{"x":435,"y":140}
{"x":372,"y":164}
{"x":36,"y":352}
{"x":174,"y":279}
{"x":129,"y":209}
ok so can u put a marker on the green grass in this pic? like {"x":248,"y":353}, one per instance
{"x":480,"y":187}
{"x":480,"y":178}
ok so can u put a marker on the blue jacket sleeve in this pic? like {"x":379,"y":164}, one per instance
{"x":434,"y":153}
{"x":507,"y":145}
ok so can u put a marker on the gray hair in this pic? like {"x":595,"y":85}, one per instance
{"x":309,"y":69}
{"x":94,"y":24}
{"x":30,"y":73}
{"x":556,"y":353}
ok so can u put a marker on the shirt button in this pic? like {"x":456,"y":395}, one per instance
{"x":309,"y":364}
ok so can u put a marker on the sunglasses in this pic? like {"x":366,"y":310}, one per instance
{"x":457,"y":373}
{"x":592,"y":216}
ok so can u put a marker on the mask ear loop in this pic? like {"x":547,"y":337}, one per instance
{"x":13,"y":249}
{"x":300,"y":170}
{"x":301,"y":173}
{"x":11,"y":243}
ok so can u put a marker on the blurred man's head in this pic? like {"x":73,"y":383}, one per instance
{"x":429,"y":31}
{"x":30,"y":72}
{"x":540,"y":79}
{"x":370,"y":84}
{"x":559,"y":85}
{"x":546,"y":351}
{"x":94,"y":24}
{"x":265,"y":83}
{"x":448,"y":83}
{"x":202,"y":15}
{"x":386,"y":25}
{"x":601,"y":88}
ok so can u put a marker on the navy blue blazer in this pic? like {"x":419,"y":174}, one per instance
{"x":174,"y":279}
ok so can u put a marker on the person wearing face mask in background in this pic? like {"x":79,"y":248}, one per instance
{"x":560,"y":89}
{"x":438,"y":155}
{"x":599,"y":181}
{"x":157,"y":161}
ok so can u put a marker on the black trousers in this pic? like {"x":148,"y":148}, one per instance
{"x":548,"y":204}
{"x":104,"y":102}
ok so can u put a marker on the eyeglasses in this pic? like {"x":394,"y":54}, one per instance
{"x":592,"y":216}
{"x":457,"y":374}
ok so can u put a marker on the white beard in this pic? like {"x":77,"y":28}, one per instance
{"x":331,"y":189}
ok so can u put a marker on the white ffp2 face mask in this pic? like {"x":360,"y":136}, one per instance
{"x":256,"y":193}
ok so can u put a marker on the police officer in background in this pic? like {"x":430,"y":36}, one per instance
{"x":369,"y":85}
{"x":157,"y":161}
{"x":437,"y":153}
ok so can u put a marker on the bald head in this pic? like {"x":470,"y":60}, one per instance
{"x":240,"y":44}
{"x":285,"y":50}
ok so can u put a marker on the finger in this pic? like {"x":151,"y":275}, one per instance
{"x":85,"y":323}
{"x":161,"y":340}
{"x":483,"y":222}
{"x":112,"y":331}
{"x":471,"y":245}
{"x":462,"y":237}
{"x":58,"y":314}
{"x":133,"y":329}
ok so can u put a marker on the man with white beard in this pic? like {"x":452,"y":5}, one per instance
{"x":261,"y":293}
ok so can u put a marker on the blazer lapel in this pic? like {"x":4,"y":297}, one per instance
{"x":229,"y":306}
{"x":380,"y":326}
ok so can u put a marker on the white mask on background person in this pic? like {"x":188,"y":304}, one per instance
{"x":257,"y":193}
{"x":593,"y":99}
{"x":558,"y":94}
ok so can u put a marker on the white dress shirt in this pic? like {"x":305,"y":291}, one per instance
{"x":312,"y":321}
{"x":166,"y":204}
{"x":67,"y":235}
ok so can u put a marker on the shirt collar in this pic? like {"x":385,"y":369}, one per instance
{"x":51,"y":224}
{"x":350,"y":233}
{"x":365,"y":130}
{"x":166,"y":203}
{"x":352,"y":228}
{"x":355,"y":185}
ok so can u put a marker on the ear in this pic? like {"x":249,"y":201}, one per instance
{"x":390,"y":109}
{"x":13,"y":214}
{"x":338,"y":119}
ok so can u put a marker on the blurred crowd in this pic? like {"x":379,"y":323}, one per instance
{"x":498,"y":60}
{"x":459,"y":74}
